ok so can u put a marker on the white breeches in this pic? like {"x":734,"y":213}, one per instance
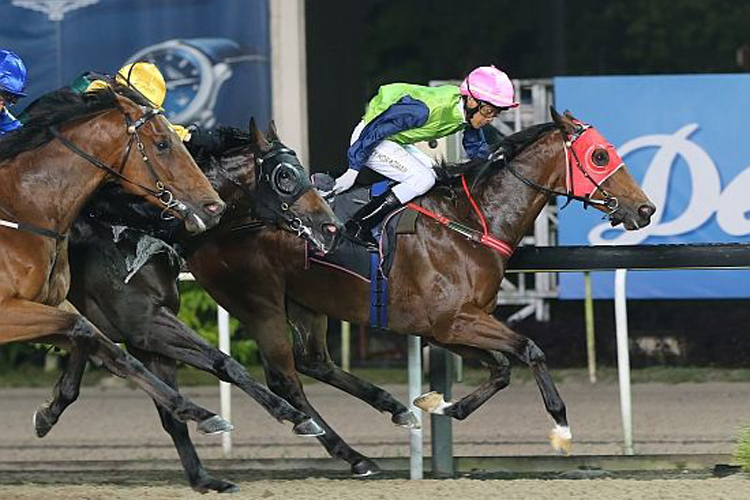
{"x":406,"y":164}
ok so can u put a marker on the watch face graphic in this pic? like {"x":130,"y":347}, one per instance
{"x":194,"y":74}
{"x":182,"y":73}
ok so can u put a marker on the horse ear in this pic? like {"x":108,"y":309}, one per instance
{"x":257,"y":135}
{"x":555,"y":116}
{"x":563,"y":122}
{"x":273,"y":134}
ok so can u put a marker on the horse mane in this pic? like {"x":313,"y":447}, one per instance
{"x":512,"y":146}
{"x":57,"y":108}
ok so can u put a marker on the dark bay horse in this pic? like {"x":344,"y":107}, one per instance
{"x":263,"y":177}
{"x":442,"y":286}
{"x":70,"y":145}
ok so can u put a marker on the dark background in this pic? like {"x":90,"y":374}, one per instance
{"x":354,"y":47}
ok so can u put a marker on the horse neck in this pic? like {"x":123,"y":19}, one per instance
{"x":227,"y":182}
{"x":55,"y":182}
{"x":509,"y":205}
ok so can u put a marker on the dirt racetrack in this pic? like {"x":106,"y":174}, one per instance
{"x":119,"y":423}
{"x":326,"y":489}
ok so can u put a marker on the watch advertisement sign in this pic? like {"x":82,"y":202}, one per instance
{"x":685,"y":141}
{"x":214,"y":55}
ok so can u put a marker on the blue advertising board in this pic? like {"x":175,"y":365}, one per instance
{"x":214,"y":54}
{"x":686,"y":141}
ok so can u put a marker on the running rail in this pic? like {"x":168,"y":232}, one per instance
{"x":619,"y":259}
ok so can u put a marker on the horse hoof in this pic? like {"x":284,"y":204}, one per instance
{"x":406,"y":419}
{"x":432,"y":402}
{"x":214,"y":425}
{"x":561,"y":438}
{"x":41,"y":424}
{"x":308,"y":428}
{"x":365,"y":468}
{"x":231,"y":488}
{"x":208,"y":483}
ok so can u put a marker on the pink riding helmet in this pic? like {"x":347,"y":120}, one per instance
{"x":489,"y":84}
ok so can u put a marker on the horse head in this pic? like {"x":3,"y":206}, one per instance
{"x":596,"y":175}
{"x":283,"y":194}
{"x":161,"y":169}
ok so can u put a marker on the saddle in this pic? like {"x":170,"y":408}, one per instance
{"x":355,"y":259}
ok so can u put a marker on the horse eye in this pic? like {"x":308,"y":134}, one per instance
{"x":600,"y":157}
{"x":162,"y":145}
{"x":284,"y":175}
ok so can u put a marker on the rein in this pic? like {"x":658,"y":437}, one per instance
{"x":30,"y":228}
{"x":609,"y":202}
{"x":482,"y":237}
{"x":287,"y":198}
{"x":161,"y":193}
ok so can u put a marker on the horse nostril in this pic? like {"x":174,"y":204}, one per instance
{"x":214,"y":208}
{"x":646,"y":211}
{"x":331,"y":228}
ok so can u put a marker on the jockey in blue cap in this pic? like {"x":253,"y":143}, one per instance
{"x":12,"y":84}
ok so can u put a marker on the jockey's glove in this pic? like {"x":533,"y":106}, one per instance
{"x":346,"y":181}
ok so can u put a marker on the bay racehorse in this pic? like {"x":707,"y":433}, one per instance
{"x":69,"y":146}
{"x":127,"y":285}
{"x":443,"y":283}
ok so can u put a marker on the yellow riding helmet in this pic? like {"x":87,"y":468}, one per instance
{"x":146,"y":79}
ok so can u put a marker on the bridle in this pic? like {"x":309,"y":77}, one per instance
{"x":279,"y":184}
{"x":159,"y":191}
{"x":588,"y":177}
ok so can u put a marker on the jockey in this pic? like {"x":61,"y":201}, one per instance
{"x":402,"y":114}
{"x":146,"y":78}
{"x":12,"y":83}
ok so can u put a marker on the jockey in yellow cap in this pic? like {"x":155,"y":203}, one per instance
{"x":146,"y":78}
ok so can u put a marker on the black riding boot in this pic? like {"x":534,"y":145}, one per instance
{"x":359,"y":227}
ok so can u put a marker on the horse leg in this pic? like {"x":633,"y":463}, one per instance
{"x":282,"y":379}
{"x":26,"y":321}
{"x":313,"y":359}
{"x":473,"y":327}
{"x":499,"y":368}
{"x":66,"y":390}
{"x":171,"y":338}
{"x":200,"y":480}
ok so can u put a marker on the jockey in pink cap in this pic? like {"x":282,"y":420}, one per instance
{"x":402,"y":114}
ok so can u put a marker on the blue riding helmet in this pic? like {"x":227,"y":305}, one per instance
{"x":12,"y":74}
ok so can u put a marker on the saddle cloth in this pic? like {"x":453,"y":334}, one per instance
{"x":355,"y":259}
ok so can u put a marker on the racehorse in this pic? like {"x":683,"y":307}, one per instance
{"x":69,"y":146}
{"x":263,"y":183}
{"x":442,"y":284}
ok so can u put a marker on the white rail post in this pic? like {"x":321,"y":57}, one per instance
{"x":623,"y":359}
{"x":225,"y":389}
{"x":416,"y":447}
{"x":590,"y":336}
{"x":346,"y":350}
